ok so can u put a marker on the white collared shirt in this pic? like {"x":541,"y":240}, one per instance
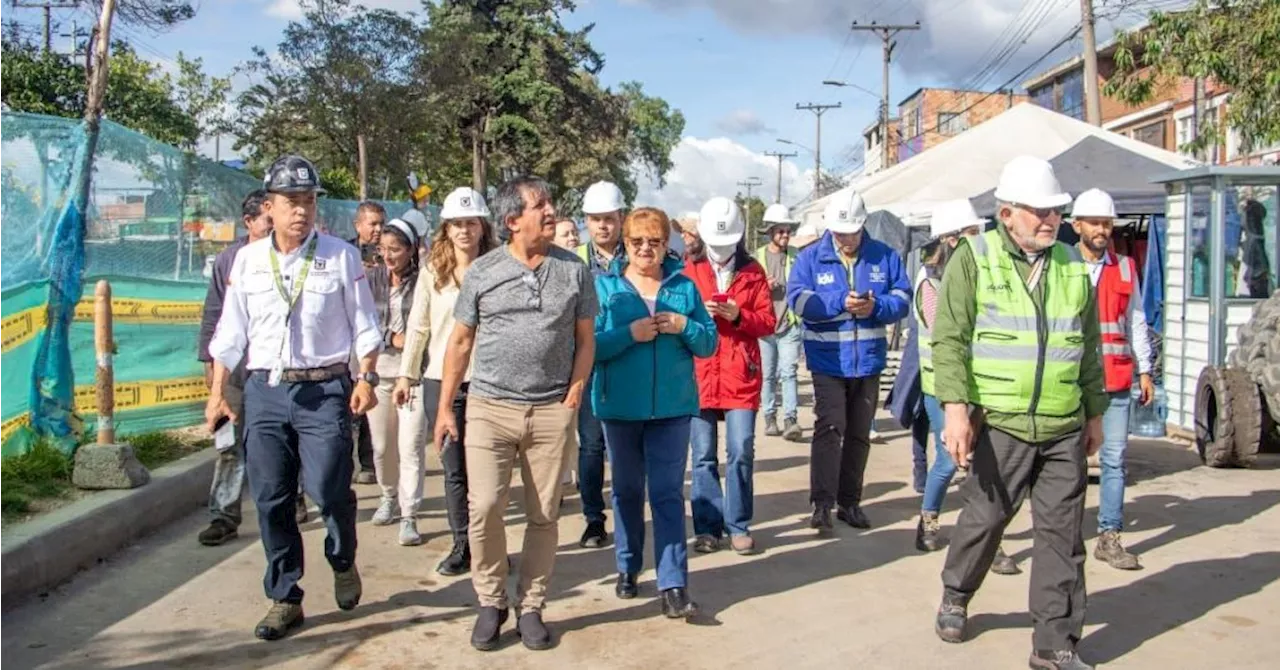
{"x":334,"y":314}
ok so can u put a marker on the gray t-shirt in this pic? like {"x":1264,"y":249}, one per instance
{"x":777,"y":268}
{"x":524,"y":321}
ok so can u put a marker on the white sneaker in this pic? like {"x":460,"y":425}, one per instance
{"x":386,"y":513}
{"x":409,"y":536}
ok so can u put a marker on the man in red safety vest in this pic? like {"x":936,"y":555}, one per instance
{"x":1126,"y":348}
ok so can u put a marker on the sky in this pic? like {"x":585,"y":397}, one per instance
{"x":735,"y":68}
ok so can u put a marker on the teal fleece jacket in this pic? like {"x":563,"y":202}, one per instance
{"x":638,"y":381}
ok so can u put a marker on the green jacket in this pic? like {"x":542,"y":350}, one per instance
{"x":952,"y":354}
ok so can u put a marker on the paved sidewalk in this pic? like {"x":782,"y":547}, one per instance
{"x":1208,"y":596}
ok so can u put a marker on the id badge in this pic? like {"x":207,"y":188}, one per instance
{"x":276,"y":374}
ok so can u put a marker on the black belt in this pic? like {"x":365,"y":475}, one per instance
{"x":293,"y":376}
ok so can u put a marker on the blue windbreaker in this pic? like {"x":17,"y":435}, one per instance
{"x":835,"y":343}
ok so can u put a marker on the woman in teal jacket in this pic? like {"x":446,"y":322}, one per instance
{"x":650,"y":327}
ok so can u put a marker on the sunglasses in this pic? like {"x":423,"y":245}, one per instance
{"x":1041,"y":212}
{"x":530,"y":281}
{"x":650,"y":242}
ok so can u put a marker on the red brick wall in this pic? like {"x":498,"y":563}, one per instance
{"x":980,"y":105}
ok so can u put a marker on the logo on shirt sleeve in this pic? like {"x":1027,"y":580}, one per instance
{"x":826,"y":278}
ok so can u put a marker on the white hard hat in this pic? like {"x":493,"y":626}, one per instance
{"x":1094,"y":203}
{"x":464,"y":203}
{"x":1030,"y":181}
{"x":778,"y":214}
{"x":602,"y":197}
{"x":720,"y":222}
{"x":418,"y":220}
{"x":953,"y":216}
{"x":845,"y":212}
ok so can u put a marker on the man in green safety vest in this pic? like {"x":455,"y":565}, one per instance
{"x":1017,"y":370}
{"x":780,"y":352}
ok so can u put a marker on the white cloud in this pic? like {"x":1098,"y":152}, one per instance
{"x":291,"y":10}
{"x":743,"y":122}
{"x":705,"y":168}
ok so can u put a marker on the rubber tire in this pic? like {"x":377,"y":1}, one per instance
{"x":1246,"y":415}
{"x":1215,"y":427}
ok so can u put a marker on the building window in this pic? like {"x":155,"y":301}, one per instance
{"x":1251,"y":226}
{"x":1152,"y":134}
{"x":951,"y":123}
{"x":1043,"y":96}
{"x":1072,"y":98}
{"x":1198,"y":204}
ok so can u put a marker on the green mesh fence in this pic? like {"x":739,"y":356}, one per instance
{"x":156,"y":218}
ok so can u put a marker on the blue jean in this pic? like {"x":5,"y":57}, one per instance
{"x":780,"y":358}
{"x":714,"y":510}
{"x":228,"y":469}
{"x":652,"y":452}
{"x":935,"y":485}
{"x":590,"y":463}
{"x":1115,"y":437}
{"x":300,"y":430}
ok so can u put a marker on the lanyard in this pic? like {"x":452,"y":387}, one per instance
{"x":292,"y":294}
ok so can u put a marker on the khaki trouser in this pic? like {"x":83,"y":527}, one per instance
{"x":540,"y":437}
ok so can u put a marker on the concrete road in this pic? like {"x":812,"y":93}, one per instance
{"x":1208,"y":596}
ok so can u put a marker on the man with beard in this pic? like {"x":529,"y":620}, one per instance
{"x":1015,"y":357}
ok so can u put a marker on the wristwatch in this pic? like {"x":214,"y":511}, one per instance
{"x":370,"y":378}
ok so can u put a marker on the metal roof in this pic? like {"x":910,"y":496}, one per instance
{"x":1231,"y":172}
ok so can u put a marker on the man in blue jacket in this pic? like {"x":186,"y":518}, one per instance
{"x":847,"y":288}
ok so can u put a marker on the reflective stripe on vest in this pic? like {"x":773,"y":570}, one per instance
{"x":1115,"y":290}
{"x":1026,"y":359}
{"x":924,"y":339}
{"x":858,"y":335}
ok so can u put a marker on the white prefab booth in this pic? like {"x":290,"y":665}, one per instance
{"x":1220,"y":261}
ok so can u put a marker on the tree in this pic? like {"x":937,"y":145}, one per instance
{"x":1233,"y":42}
{"x":753,"y":208}
{"x":203,"y":98}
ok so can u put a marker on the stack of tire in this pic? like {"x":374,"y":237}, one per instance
{"x":1238,"y":406}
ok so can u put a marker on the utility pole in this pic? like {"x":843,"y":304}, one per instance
{"x":818,"y":111}
{"x":886,"y":33}
{"x":1092,"y":100}
{"x":780,"y":156}
{"x":749,"y":184}
{"x":48,"y":8}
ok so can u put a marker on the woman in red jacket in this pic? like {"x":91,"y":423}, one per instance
{"x":736,"y":291}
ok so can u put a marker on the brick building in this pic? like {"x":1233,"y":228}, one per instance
{"x":930,"y":116}
{"x":873,"y":147}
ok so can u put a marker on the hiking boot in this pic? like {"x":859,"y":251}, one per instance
{"x":676,"y":604}
{"x":953,"y":615}
{"x":595,"y":536}
{"x":488,"y":628}
{"x":347,"y":588}
{"x":386,"y":512}
{"x":791,"y":431}
{"x":366,"y":477}
{"x":927,"y":531}
{"x":854,"y":516}
{"x":409,"y":536}
{"x":300,"y":514}
{"x":821,"y":520}
{"x":532,"y":632}
{"x":743,"y":545}
{"x":626,"y":587}
{"x":706,"y":544}
{"x":280,"y":619}
{"x":458,"y":562}
{"x":1004,"y":565}
{"x":1057,"y":659}
{"x":1109,"y":550}
{"x":771,"y":426}
{"x":220,"y":531}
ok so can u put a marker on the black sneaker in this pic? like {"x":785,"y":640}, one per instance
{"x":953,"y":615}
{"x":821,"y":520}
{"x":488,"y":628}
{"x":594,"y":537}
{"x":220,"y":531}
{"x":626,"y":588}
{"x":771,"y":426}
{"x":1056,"y":659}
{"x":533,"y":633}
{"x":676,"y":604}
{"x":854,"y":516}
{"x":458,"y":562}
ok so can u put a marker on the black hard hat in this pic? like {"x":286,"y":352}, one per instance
{"x":292,"y":174}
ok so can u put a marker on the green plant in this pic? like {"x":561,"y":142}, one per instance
{"x":42,"y":472}
{"x":155,"y":449}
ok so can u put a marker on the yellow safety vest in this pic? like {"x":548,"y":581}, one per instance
{"x":788,"y":261}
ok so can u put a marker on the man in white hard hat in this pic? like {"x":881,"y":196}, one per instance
{"x":1015,"y":358}
{"x":780,"y":352}
{"x":847,"y":288}
{"x":1126,"y":345}
{"x":604,"y":206}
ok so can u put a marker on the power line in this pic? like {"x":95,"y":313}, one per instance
{"x":781,"y":157}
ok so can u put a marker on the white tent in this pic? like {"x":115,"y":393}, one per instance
{"x":969,"y":164}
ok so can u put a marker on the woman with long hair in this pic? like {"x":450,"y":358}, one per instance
{"x":464,"y":234}
{"x":396,"y":431}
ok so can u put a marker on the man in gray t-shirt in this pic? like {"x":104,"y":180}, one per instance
{"x":528,"y":310}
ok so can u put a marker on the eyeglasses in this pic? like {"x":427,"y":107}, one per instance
{"x":651,"y":242}
{"x":1041,"y":212}
{"x":530,"y":280}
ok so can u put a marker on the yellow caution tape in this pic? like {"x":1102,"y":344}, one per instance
{"x":12,"y":425}
{"x":128,"y":396}
{"x":23,"y":326}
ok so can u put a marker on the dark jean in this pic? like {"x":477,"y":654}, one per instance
{"x":591,"y":452}
{"x":730,"y":509}
{"x":653,"y":453}
{"x":453,"y":456}
{"x":844,"y":409}
{"x":300,"y":430}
